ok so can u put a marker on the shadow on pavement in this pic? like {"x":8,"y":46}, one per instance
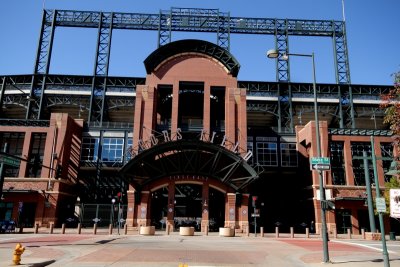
{"x":42,"y":264}
{"x":373,"y":260}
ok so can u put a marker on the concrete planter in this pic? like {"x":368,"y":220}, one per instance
{"x":226,"y":231}
{"x":373,"y":236}
{"x":186,"y":231}
{"x":147,"y":230}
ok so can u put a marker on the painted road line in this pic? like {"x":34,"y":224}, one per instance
{"x":363,"y":245}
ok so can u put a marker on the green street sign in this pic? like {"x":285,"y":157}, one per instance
{"x":10,"y":161}
{"x":320,"y":160}
{"x":320,"y":164}
{"x":380,"y":204}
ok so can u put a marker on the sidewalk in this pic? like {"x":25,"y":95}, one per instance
{"x":86,"y":250}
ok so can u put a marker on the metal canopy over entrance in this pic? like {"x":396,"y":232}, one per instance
{"x":189,"y":157}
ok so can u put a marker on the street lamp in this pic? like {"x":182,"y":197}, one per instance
{"x":112,"y":211}
{"x":273,"y":53}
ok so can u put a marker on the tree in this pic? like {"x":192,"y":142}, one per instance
{"x":391,"y":104}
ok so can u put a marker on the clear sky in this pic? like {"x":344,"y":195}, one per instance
{"x":372,"y":31}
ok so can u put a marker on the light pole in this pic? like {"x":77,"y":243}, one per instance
{"x":273,"y":53}
{"x":112,"y":211}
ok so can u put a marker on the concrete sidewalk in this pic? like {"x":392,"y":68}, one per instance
{"x":171,"y":250}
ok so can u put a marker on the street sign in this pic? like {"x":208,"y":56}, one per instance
{"x":320,"y":163}
{"x":380,"y":204}
{"x":255,"y":215}
{"x":321,"y":167}
{"x":9,"y":161}
{"x":320,"y":160}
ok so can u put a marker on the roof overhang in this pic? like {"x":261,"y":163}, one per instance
{"x":189,"y":157}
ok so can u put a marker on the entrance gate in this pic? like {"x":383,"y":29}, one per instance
{"x":102,"y":214}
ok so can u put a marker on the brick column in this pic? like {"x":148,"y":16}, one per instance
{"x":230,"y":118}
{"x":171,"y":205}
{"x":230,"y":210}
{"x":144,"y":113}
{"x":205,"y":206}
{"x":175,"y":108}
{"x":206,"y":108}
{"x":130,"y":214}
{"x":144,"y":209}
{"x":23,"y":169}
{"x":244,"y":212}
{"x":240,"y":96}
{"x":348,"y":162}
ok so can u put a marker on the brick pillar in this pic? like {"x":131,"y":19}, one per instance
{"x":230,"y":210}
{"x":244,"y":212}
{"x":206,"y":108}
{"x":130,"y":214}
{"x":240,"y":99}
{"x":23,"y":168}
{"x":230,"y":118}
{"x":144,"y":113}
{"x":144,"y":209}
{"x":205,"y":207}
{"x":171,"y":206}
{"x":175,"y":108}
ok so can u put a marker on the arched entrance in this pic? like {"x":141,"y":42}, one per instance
{"x":189,"y":205}
{"x":182,"y":181}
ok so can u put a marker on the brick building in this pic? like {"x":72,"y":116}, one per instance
{"x":187,"y":144}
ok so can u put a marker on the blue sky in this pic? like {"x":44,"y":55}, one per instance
{"x":372,"y":31}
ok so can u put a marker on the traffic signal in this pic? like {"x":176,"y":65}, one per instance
{"x":119,"y":197}
{"x":253,"y":202}
{"x":58,"y":171}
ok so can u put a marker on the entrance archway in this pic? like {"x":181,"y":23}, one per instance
{"x":189,"y":204}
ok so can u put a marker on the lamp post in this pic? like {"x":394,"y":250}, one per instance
{"x":112,"y":211}
{"x":273,"y":53}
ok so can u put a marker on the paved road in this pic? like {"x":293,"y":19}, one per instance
{"x":89,"y":250}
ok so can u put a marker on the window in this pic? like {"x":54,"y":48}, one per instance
{"x":90,"y":148}
{"x":15,"y":143}
{"x":387,"y":155}
{"x":6,"y":211}
{"x":128,"y":150}
{"x":357,"y":149}
{"x":266,"y":151}
{"x":36,"y":155}
{"x":288,"y":155}
{"x":337,"y":163}
{"x":112,"y":149}
{"x":250,"y":147}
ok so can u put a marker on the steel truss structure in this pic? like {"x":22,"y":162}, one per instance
{"x":189,"y":20}
{"x":74,"y":93}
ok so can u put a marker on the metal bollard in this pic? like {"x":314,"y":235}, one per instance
{"x":247,"y":230}
{"x":63,"y":228}
{"x":307,"y":232}
{"x":334,"y":233}
{"x":349,"y":233}
{"x":291,"y":232}
{"x":36,"y":228}
{"x":276,"y":232}
{"x":206,"y":230}
{"x":95,"y":228}
{"x":167,"y":229}
{"x":51,"y":228}
{"x":125,"y":229}
{"x":262,"y":231}
{"x":363,"y":233}
{"x":79,"y":228}
{"x":110,"y":229}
